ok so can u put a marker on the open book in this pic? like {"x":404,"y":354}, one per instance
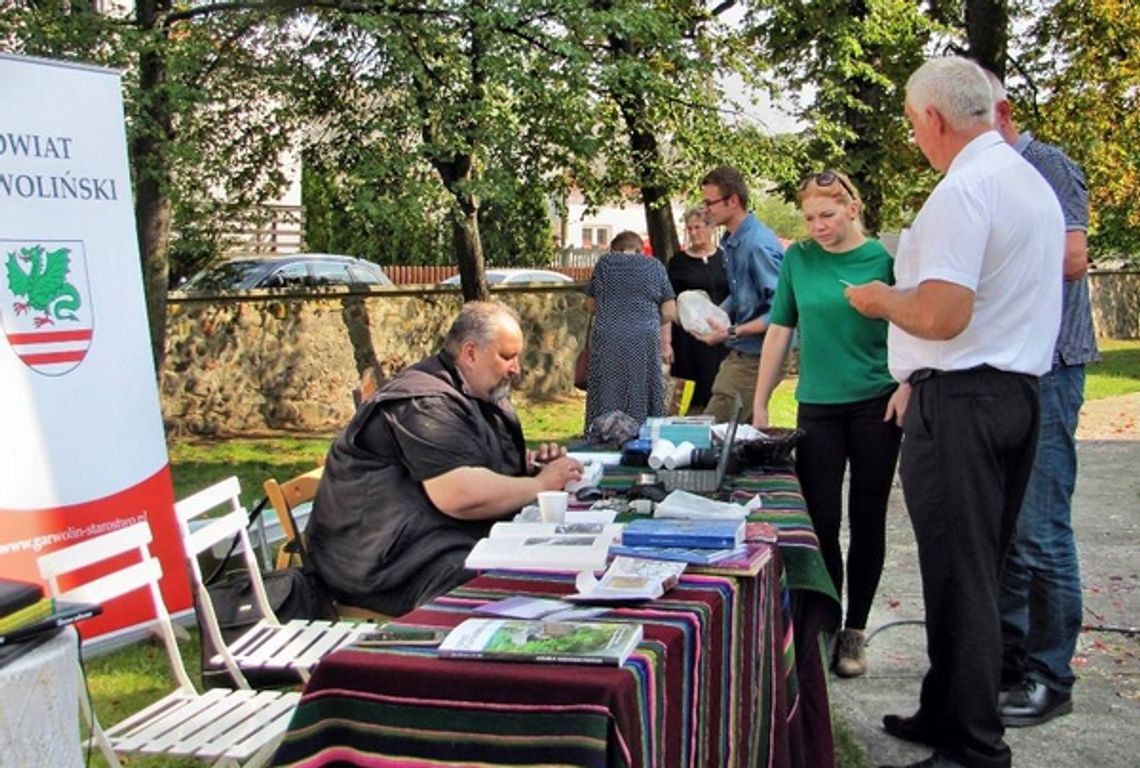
{"x":629,"y":578}
{"x":569,"y":642}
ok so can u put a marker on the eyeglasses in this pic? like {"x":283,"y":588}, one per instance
{"x":826,"y":179}
{"x":711,"y":203}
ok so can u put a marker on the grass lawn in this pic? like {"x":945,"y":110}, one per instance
{"x":123,"y":681}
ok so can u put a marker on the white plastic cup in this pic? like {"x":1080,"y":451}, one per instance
{"x":662,"y":448}
{"x":681,"y":456}
{"x":552,"y":506}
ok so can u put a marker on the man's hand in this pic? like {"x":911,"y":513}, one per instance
{"x":869,"y":299}
{"x":558,"y":473}
{"x":896,"y":405}
{"x":544,"y":454}
{"x":716,"y":335}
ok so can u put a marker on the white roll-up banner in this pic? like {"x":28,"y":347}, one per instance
{"x":82,"y":449}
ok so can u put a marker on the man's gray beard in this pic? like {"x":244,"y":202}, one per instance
{"x":501,"y":392}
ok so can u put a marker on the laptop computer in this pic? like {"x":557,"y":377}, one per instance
{"x":705,"y":480}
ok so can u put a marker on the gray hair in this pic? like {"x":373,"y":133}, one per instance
{"x":478,"y":322}
{"x":996,"y":87}
{"x":956,"y":87}
{"x":697,"y":212}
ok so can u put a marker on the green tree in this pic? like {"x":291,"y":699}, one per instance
{"x":1079,"y":86}
{"x":851,"y":57}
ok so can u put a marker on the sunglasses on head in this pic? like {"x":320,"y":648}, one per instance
{"x":826,"y":179}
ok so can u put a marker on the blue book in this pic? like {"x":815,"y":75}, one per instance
{"x":693,"y":555}
{"x":679,"y":532}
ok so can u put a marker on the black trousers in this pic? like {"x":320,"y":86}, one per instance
{"x":968,"y":442}
{"x":836,"y":436}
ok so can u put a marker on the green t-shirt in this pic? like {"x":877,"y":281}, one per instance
{"x":843,"y":355}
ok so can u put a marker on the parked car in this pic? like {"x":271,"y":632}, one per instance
{"x":517,"y":276}
{"x":297,"y":271}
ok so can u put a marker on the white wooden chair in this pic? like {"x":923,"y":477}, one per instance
{"x":225,"y":727}
{"x":295,"y":645}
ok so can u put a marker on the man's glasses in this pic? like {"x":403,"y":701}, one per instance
{"x":711,"y":203}
{"x":826,"y":179}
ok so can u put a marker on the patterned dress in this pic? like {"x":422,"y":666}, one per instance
{"x":625,"y":342}
{"x":692,"y":358}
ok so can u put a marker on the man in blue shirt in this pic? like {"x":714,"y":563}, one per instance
{"x":752,"y":257}
{"x":1040,"y":597}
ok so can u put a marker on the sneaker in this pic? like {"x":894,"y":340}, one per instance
{"x":850,"y":657}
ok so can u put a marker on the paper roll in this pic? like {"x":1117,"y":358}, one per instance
{"x":681,"y":456}
{"x":662,"y":448}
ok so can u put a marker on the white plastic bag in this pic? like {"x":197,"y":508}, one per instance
{"x":695,"y":308}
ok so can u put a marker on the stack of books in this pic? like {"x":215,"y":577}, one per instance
{"x":22,"y":604}
{"x":692,"y":541}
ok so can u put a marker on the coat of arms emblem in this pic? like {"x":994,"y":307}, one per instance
{"x":45,"y":303}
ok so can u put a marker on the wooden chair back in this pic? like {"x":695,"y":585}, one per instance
{"x":285,"y":498}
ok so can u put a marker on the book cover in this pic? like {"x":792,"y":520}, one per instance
{"x":26,"y":615}
{"x":541,"y":553}
{"x":62,"y":615}
{"x":629,"y":578}
{"x":705,"y":534}
{"x":524,"y":607}
{"x":747,"y":561}
{"x":693,"y":555}
{"x":563,"y":642}
{"x":570,"y":527}
{"x":15,"y":595}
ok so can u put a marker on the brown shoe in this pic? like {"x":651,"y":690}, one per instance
{"x":850,"y":657}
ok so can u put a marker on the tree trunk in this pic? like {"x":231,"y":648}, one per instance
{"x":466,"y":242}
{"x":646,"y":154}
{"x":987,"y":32}
{"x":152,"y":175}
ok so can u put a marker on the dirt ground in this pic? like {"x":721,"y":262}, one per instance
{"x":1111,"y":418}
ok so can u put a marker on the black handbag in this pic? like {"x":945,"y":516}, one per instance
{"x":294,"y":593}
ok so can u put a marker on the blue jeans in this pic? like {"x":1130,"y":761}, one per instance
{"x":1040,"y":599}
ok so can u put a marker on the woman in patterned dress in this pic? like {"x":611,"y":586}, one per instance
{"x":700,"y":267}
{"x":633,"y":307}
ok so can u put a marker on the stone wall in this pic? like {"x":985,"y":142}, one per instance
{"x":1116,"y":303}
{"x":263,"y":363}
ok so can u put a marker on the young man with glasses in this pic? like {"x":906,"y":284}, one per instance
{"x":752,"y":257}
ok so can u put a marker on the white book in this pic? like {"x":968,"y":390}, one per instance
{"x":521,"y":530}
{"x":541,"y":552}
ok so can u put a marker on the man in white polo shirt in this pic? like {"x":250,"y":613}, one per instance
{"x":974,"y":314}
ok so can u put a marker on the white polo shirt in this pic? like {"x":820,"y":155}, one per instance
{"x":992,"y":225}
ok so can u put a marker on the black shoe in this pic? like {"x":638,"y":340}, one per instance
{"x":934,"y":761}
{"x":909,"y":729}
{"x":1033,"y":703}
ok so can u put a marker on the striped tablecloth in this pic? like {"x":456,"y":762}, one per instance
{"x":729,"y":674}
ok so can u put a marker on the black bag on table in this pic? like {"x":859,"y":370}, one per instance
{"x":294,"y":593}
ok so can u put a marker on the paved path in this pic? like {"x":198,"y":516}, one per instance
{"x":1104,"y":729}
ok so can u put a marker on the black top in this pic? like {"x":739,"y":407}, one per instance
{"x":374,"y":536}
{"x":692,"y":358}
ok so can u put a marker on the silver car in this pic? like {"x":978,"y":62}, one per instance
{"x":297,"y":271}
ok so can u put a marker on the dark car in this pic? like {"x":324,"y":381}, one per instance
{"x":298,"y":271}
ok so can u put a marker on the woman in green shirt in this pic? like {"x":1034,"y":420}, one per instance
{"x":849,"y":406}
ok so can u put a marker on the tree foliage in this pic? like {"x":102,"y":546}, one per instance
{"x":1080,"y":88}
